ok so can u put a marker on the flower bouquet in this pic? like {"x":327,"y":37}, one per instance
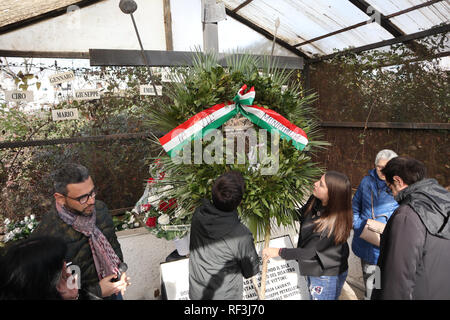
{"x":159,"y":212}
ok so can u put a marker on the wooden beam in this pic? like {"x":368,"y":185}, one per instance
{"x":44,"y":54}
{"x":412,"y":36}
{"x":239,"y":7}
{"x":387,"y":125}
{"x":100,"y":138}
{"x":105,"y":57}
{"x":168,"y":25}
{"x":44,"y":16}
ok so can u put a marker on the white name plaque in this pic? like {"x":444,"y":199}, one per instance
{"x":87,"y":94}
{"x":61,"y":77}
{"x":18,"y":96}
{"x":65,"y":114}
{"x":148,"y":90}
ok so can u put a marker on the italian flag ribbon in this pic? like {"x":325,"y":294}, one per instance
{"x":212,"y":118}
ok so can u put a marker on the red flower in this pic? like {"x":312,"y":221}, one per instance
{"x":151,"y":222}
{"x":162,"y":175}
{"x":147,"y":206}
{"x":163,"y":206}
{"x":150,"y":180}
{"x":172,"y":203}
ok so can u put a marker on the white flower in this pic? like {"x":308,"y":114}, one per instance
{"x":124,"y":226}
{"x":8,"y":236}
{"x":164,"y":219}
{"x":26,"y":219}
{"x":131,"y":219}
{"x":16,"y":230}
{"x":30,"y":226}
{"x":7,"y":221}
{"x":32,"y":217}
{"x":178,"y":212}
{"x":136,"y":224}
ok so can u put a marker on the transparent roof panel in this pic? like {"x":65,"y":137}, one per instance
{"x":416,"y":20}
{"x":247,"y":41}
{"x":367,"y":34}
{"x":302,"y":20}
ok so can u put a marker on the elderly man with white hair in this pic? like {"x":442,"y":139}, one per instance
{"x":372,"y":199}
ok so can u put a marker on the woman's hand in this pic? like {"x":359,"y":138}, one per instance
{"x":109,"y":288}
{"x":270,"y":253}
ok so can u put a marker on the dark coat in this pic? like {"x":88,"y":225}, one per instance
{"x":222,"y":252}
{"x":78,"y":248}
{"x":317,"y":254}
{"x":415,"y":245}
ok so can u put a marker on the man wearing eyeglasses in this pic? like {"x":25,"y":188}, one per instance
{"x":415,"y":245}
{"x":87,"y":228}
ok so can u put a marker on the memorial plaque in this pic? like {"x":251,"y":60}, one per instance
{"x":148,"y":90}
{"x":283,"y":278}
{"x":65,"y":114}
{"x":19,"y":96}
{"x":87,"y":94}
{"x":61,"y":77}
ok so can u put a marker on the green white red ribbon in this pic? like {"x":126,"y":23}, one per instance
{"x":212,"y":118}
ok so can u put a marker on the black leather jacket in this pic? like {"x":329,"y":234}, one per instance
{"x":316,"y":253}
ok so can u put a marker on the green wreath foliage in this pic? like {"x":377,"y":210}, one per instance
{"x":267,"y":197}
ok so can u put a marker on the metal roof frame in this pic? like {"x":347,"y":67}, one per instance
{"x":360,"y":24}
{"x":384,"y":21}
{"x":405,"y":38}
{"x":363,"y":5}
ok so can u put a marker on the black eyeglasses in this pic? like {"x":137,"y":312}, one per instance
{"x":85,"y":197}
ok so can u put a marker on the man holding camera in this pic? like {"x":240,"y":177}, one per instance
{"x":87,"y":228}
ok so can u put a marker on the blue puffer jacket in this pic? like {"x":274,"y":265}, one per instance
{"x":383,"y":205}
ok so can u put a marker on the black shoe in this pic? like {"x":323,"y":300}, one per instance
{"x":174,"y":256}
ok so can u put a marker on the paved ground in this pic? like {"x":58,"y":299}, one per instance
{"x":351,"y":292}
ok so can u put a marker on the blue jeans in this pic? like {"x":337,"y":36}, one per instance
{"x":326,"y":287}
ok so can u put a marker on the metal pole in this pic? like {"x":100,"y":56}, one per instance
{"x":128,"y":7}
{"x":143,"y":54}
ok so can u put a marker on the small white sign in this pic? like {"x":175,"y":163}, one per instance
{"x":18,"y":96}
{"x":166,"y":75}
{"x":283,"y":277}
{"x":87,"y":94}
{"x":61,"y":77}
{"x":148,"y":90}
{"x":65,"y":114}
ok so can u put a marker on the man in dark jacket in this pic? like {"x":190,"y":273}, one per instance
{"x":86,"y":227}
{"x":222,"y":249}
{"x":414,"y":253}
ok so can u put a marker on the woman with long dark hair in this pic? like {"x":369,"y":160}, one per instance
{"x":322,"y":251}
{"x":34,"y":269}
